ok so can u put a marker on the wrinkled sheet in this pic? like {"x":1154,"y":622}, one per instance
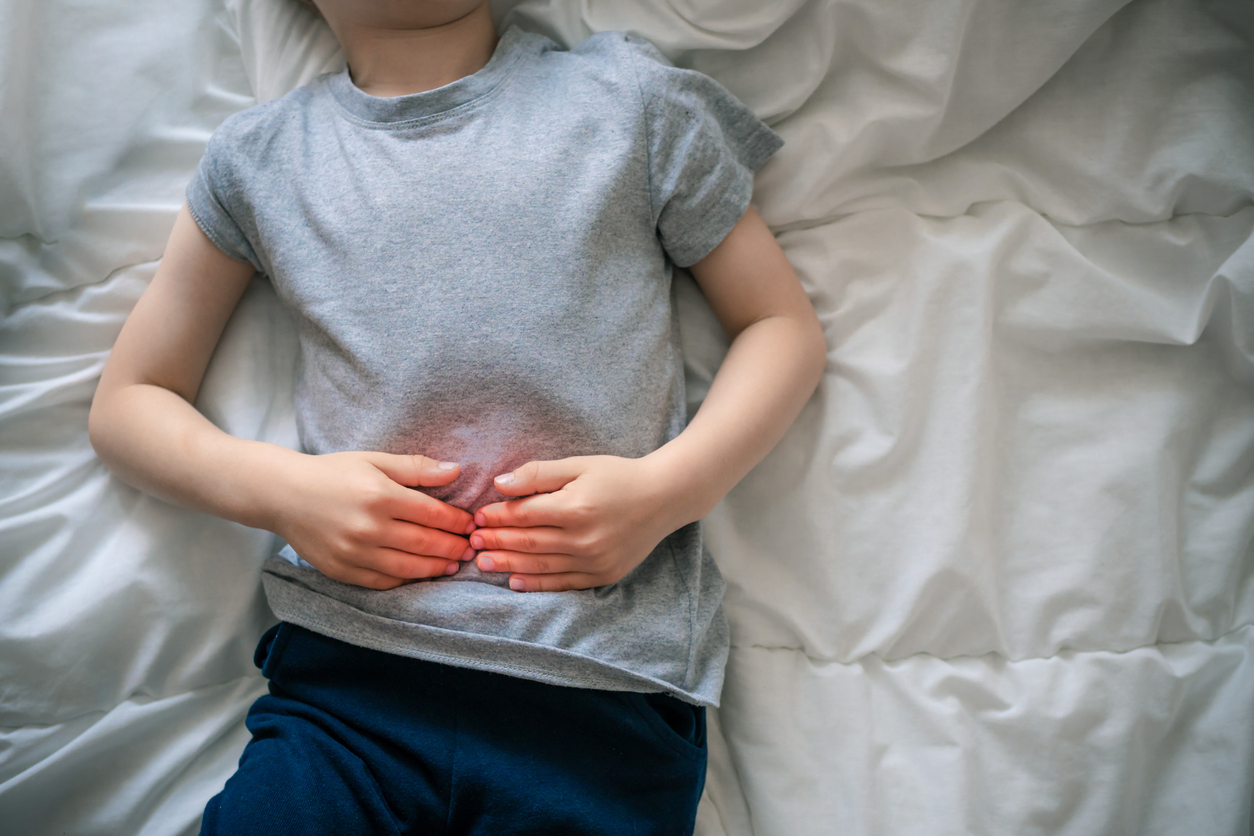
{"x":998,"y":578}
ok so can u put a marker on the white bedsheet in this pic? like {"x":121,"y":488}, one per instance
{"x":999,"y":578}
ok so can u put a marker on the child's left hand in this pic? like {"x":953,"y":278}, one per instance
{"x":585,"y":521}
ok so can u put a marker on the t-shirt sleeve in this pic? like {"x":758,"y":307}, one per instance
{"x":704,"y":146}
{"x":217,"y":201}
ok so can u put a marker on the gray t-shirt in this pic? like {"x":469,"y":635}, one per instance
{"x":481,"y":273}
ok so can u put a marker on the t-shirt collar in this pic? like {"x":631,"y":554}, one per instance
{"x":509,"y":49}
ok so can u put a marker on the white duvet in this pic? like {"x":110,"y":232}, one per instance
{"x":998,"y":579}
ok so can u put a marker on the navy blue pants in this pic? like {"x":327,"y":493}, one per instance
{"x":352,"y":741}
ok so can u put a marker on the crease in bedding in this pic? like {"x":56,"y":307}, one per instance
{"x":1064,"y":652}
{"x":975,"y":208}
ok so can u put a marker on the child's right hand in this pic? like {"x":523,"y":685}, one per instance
{"x":352,"y":517}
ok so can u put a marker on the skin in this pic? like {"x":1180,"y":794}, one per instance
{"x":574,"y":523}
{"x":396,"y":47}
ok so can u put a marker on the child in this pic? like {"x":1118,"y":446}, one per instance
{"x":475,"y":238}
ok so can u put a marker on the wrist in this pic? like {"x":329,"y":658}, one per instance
{"x":259,"y":481}
{"x":687,"y":492}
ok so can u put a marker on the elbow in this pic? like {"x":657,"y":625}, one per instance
{"x":97,"y":425}
{"x":815,"y":350}
{"x":102,"y":426}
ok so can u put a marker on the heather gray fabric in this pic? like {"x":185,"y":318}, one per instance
{"x":482,"y":273}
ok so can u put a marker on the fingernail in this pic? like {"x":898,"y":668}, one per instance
{"x":446,"y":466}
{"x":469,"y":553}
{"x":486,"y":565}
{"x":516,"y":584}
{"x":476,"y":541}
{"x":470,"y":526}
{"x":480,"y":519}
{"x":505,"y":479}
{"x":451,"y":569}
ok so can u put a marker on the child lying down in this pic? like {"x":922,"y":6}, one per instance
{"x":497,"y":613}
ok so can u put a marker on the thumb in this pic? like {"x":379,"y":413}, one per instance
{"x":415,"y":471}
{"x":539,"y":477}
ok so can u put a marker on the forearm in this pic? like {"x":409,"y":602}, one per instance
{"x":770,"y":371}
{"x":154,"y":440}
{"x":350,"y":514}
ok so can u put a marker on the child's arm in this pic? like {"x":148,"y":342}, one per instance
{"x":595,"y":518}
{"x":348,"y":514}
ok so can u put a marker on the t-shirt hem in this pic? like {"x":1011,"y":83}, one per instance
{"x":719,"y":223}
{"x":551,"y":665}
{"x":201,"y":218}
{"x":755,"y":150}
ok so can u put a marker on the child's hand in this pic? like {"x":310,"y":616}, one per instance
{"x":592,"y":520}
{"x":351,"y":516}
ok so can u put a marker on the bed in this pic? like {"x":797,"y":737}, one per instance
{"x":998,"y":578}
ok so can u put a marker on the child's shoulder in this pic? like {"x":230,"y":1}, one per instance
{"x":254,"y":128}
{"x":658,"y":78}
{"x":620,"y":47}
{"x":622,"y":58}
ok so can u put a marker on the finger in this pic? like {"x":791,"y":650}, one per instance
{"x":543,"y":509}
{"x":415,"y":507}
{"x":539,"y":477}
{"x":428,"y":542}
{"x":415,"y":471}
{"x":406,"y":566}
{"x":553,"y":583}
{"x":531,"y":564}
{"x":534,"y":540}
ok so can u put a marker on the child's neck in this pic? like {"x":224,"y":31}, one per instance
{"x":397,"y":62}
